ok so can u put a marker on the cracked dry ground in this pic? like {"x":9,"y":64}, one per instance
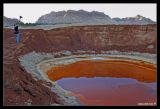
{"x":19,"y":87}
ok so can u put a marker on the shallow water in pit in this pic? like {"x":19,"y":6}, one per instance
{"x":108,"y":82}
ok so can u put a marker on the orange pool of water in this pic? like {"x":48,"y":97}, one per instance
{"x":108,"y":82}
{"x":108,"y":68}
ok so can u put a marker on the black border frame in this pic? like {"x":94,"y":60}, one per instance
{"x":110,"y":1}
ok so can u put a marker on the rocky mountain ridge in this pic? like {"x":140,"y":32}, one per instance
{"x":138,"y":19}
{"x":85,"y":17}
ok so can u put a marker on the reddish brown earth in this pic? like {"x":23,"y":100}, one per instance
{"x":19,"y":86}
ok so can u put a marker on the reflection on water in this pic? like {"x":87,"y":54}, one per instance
{"x":143,"y":72}
{"x":108,"y":82}
{"x":110,"y":91}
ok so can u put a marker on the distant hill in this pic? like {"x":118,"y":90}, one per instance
{"x":71,"y":16}
{"x":140,"y":20}
{"x":85,"y":17}
{"x":9,"y":21}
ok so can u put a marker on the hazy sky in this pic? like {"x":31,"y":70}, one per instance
{"x":31,"y":12}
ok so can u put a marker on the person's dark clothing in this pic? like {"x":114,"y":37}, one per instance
{"x":16,"y":30}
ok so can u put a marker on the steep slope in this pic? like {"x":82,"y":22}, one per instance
{"x":111,"y":37}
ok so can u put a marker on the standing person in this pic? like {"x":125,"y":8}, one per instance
{"x":17,"y":33}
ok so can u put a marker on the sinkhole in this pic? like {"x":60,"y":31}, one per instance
{"x":107,"y":82}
